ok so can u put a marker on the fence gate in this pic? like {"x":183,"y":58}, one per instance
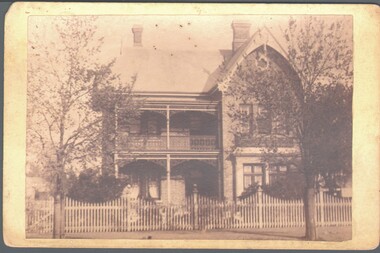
{"x":39,"y":217}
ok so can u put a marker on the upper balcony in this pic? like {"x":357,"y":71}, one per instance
{"x":175,"y":131}
{"x":178,"y":143}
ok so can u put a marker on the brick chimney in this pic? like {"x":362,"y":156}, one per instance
{"x":137,"y":35}
{"x":241,"y":33}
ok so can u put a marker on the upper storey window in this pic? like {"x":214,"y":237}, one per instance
{"x":246,"y":118}
{"x":280,"y":126}
{"x":255,"y":119}
{"x":263,"y":120}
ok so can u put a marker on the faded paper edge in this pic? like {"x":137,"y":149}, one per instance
{"x":366,"y":153}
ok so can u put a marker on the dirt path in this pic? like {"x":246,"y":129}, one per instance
{"x":324,"y":234}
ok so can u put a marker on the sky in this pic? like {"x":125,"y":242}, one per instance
{"x":170,"y":32}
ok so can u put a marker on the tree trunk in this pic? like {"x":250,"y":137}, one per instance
{"x":58,"y":209}
{"x":309,"y":206}
{"x":57,"y":215}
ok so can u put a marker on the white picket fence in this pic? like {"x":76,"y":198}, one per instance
{"x":264,"y":211}
{"x":198,"y":212}
{"x":122,"y":215}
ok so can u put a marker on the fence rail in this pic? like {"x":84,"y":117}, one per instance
{"x":197,"y":212}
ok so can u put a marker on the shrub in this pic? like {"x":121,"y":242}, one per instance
{"x":290,"y":187}
{"x":249,"y":191}
{"x":91,"y":187}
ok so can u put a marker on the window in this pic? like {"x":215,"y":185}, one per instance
{"x":149,"y":186}
{"x":246,"y":118}
{"x":277,"y":172}
{"x":253,"y":173}
{"x":245,"y":109}
{"x":280,"y":126}
{"x":263,"y":120}
{"x":255,"y":119}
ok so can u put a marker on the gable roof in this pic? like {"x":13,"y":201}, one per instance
{"x":187,"y":71}
{"x":157,"y":70}
{"x":261,"y":37}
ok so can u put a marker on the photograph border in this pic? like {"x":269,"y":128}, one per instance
{"x":365,"y":116}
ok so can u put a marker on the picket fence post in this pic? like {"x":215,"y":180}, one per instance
{"x":62,"y":211}
{"x":128,"y":215}
{"x":260,"y":205}
{"x":321,"y":206}
{"x":196,"y":208}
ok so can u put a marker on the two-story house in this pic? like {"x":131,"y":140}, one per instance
{"x":184,"y":134}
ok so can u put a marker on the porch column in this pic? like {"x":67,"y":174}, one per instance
{"x":266,"y":176}
{"x":168,"y":176}
{"x":167,"y":127}
{"x":116,"y":166}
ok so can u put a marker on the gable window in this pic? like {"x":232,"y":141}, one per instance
{"x":280,"y":126}
{"x":277,"y":172}
{"x":255,"y":119}
{"x":263,"y":120}
{"x":245,"y":118}
{"x":253,"y":173}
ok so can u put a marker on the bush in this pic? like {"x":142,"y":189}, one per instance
{"x":290,"y":187}
{"x":249,"y":191}
{"x":91,"y":187}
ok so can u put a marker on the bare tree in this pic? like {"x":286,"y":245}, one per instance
{"x":65,"y":77}
{"x":309,"y":98}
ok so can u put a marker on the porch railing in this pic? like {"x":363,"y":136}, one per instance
{"x":192,"y":142}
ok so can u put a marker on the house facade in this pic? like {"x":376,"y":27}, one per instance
{"x":185,"y":135}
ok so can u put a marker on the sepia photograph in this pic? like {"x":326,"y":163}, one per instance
{"x":158,"y":127}
{"x":182,"y":127}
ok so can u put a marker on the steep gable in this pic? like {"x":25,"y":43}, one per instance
{"x":262,"y":37}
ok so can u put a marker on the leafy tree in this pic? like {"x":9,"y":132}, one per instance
{"x":308,"y":97}
{"x":65,"y":76}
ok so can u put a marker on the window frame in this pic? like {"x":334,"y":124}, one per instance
{"x":277,"y":173}
{"x":263,"y":115}
{"x":246,"y":118}
{"x":252,"y":174}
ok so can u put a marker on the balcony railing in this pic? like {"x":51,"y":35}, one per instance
{"x":180,"y":143}
{"x":265,"y":141}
